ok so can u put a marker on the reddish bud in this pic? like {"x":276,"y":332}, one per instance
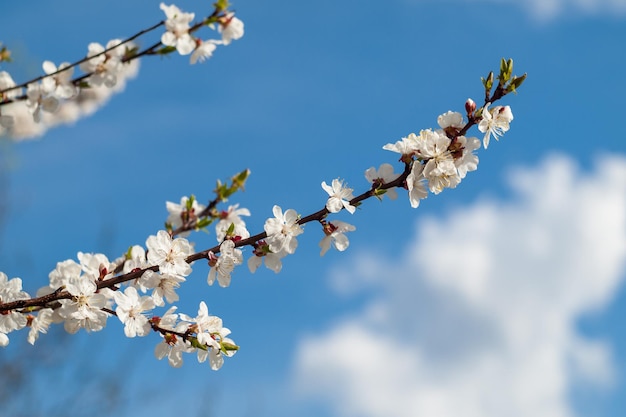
{"x":212,"y":259}
{"x":103,"y":272}
{"x":470,"y":106}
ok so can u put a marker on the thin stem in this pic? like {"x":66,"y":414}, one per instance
{"x":214,"y":17}
{"x":85,"y":59}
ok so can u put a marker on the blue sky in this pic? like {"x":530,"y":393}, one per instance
{"x":501,"y":297}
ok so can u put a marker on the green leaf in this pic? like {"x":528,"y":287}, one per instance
{"x":190,"y":201}
{"x":237,"y":183}
{"x":221,"y":5}
{"x":506,"y":70}
{"x":130,"y":52}
{"x":228,"y":347}
{"x":488,"y":82}
{"x":165,"y":50}
{"x":5,"y":54}
{"x":516,"y":82}
{"x":204,"y":222}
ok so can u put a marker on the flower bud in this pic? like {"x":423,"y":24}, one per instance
{"x":470,"y":106}
{"x":102,"y":269}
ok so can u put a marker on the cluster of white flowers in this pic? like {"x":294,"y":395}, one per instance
{"x":84,"y":294}
{"x":178,"y":33}
{"x":57,"y":97}
{"x":89,"y":301}
{"x":210,"y":340}
{"x":91,"y":291}
{"x":441,"y":158}
{"x":11,"y":290}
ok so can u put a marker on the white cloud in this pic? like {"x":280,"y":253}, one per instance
{"x":549,"y":9}
{"x":479,"y":317}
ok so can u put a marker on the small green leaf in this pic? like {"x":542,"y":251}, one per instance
{"x":516,"y":82}
{"x":228,"y":347}
{"x":204,"y":222}
{"x":130,"y":52}
{"x":488,"y":82}
{"x":379,"y":193}
{"x":165,"y":50}
{"x":190,"y":201}
{"x":221,"y":5}
{"x":237,"y":183}
{"x":196,"y":344}
{"x":5,"y":54}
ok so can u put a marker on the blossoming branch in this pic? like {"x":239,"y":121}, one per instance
{"x":60,"y":97}
{"x":84,"y":294}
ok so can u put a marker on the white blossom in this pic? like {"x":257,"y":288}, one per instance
{"x":282,"y":230}
{"x":172,"y":345}
{"x":163,"y":286}
{"x":64,"y":271}
{"x":440,"y":176}
{"x":205,"y":326}
{"x":216,"y":356}
{"x":263,"y":254}
{"x":433,"y":146}
{"x":168,"y":320}
{"x":130,"y":308}
{"x":210,"y":333}
{"x":232,"y":216}
{"x":11,"y":290}
{"x":340,"y":197}
{"x":6,"y":81}
{"x":104,"y":67}
{"x":450,"y":119}
{"x":440,"y":170}
{"x":37,"y":100}
{"x":183,"y":212}
{"x":231,"y":28}
{"x":84,"y":309}
{"x":495,"y":122}
{"x":60,"y":85}
{"x":335,"y":233}
{"x":203,"y":51}
{"x":415,"y":184}
{"x":468,"y":161}
{"x":95,"y":264}
{"x":169,"y":255}
{"x":177,"y":25}
{"x":383,"y":175}
{"x":223,"y":266}
{"x":135,"y":259}
{"x":39,"y":324}
{"x":406,"y":146}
